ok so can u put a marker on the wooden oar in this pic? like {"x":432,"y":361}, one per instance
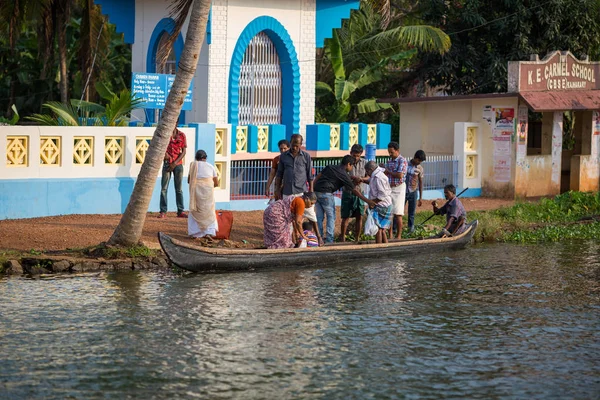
{"x":434,"y":214}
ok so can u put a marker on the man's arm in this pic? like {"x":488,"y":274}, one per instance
{"x":309,"y":175}
{"x":420,"y":203}
{"x":461,"y":221}
{"x":269,"y":181}
{"x":279,"y":180}
{"x":179,"y":158}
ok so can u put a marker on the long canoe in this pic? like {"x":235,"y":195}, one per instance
{"x":202,"y":259}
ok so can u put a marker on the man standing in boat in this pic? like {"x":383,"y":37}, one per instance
{"x":395,"y":169}
{"x":330,"y":180}
{"x":456,"y":215}
{"x":352,"y":205}
{"x":380,"y":199}
{"x":294,"y":176}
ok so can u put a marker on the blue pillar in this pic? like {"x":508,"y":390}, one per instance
{"x":363,"y":134}
{"x":252,"y":139}
{"x":317,"y":137}
{"x":344,"y":136}
{"x":206,"y":139}
{"x":233,"y":139}
{"x":384,"y":135}
{"x":276,"y":133}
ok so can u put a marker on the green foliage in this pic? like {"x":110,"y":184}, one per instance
{"x":115,"y":113}
{"x":13,"y":120}
{"x":486,"y":35}
{"x":368,"y":55}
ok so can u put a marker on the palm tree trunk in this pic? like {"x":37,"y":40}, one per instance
{"x":129,"y":230}
{"x":62,"y":19}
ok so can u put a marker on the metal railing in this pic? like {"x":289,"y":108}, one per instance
{"x":249,"y":178}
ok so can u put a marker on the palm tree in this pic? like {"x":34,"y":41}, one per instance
{"x":374,"y":44}
{"x":129,"y":230}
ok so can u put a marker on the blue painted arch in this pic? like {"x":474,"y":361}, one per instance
{"x":165,"y":25}
{"x":290,"y":70}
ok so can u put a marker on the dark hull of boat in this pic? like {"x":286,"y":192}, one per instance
{"x":198,"y":259}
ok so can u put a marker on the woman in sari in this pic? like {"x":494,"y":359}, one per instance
{"x":202,"y":179}
{"x":282,"y":217}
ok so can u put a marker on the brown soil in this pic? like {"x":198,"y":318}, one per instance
{"x":78,"y":231}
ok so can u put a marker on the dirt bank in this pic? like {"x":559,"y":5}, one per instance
{"x":78,"y":231}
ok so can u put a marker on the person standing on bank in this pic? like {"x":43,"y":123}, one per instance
{"x":294,"y":174}
{"x":352,"y":205}
{"x":202,"y":179}
{"x":173,"y":164}
{"x":284,"y":146}
{"x":330,"y":180}
{"x":395,"y":169}
{"x":414,"y":181}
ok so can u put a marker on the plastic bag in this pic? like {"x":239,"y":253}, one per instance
{"x":371,"y":227}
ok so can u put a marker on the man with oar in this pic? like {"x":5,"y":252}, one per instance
{"x":456,"y":215}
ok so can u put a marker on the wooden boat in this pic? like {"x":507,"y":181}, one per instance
{"x":203,"y":259}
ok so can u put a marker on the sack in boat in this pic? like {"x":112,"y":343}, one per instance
{"x":225,"y":222}
{"x":371,"y":227}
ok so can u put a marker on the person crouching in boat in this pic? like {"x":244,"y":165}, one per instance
{"x":456,"y":215}
{"x":202,"y":179}
{"x":278,"y":217}
{"x":380,"y":199}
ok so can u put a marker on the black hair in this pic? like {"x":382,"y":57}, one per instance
{"x":348,"y":159}
{"x":393,"y":145}
{"x":450,"y":188}
{"x":306,"y":225}
{"x":296,"y":136}
{"x":420,"y":154}
{"x":201,"y":155}
{"x":356,"y":148}
{"x":283,"y":141}
{"x":310,"y":196}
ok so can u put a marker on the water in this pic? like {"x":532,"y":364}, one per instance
{"x":499,"y":321}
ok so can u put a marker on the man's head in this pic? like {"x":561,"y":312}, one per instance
{"x":283,"y":145}
{"x":394,"y":149}
{"x":370,"y":167}
{"x":356,"y":151}
{"x":348,"y":163}
{"x":296,"y":143}
{"x":449,"y":192}
{"x":309,"y":198}
{"x":419,"y":157}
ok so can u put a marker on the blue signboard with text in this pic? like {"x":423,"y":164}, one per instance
{"x":154,"y":89}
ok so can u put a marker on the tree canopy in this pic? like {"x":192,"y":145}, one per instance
{"x":486,"y":34}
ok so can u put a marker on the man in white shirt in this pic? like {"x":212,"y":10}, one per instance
{"x":380,"y":199}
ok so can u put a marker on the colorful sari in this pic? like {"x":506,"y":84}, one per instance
{"x":277,"y":221}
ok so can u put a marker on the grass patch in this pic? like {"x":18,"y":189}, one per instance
{"x":137,"y":251}
{"x":571,"y":215}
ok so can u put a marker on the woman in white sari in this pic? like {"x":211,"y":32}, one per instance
{"x":202,"y":220}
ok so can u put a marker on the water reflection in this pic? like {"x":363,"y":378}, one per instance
{"x":491,"y":321}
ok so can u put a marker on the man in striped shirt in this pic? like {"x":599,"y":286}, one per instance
{"x":395,"y":169}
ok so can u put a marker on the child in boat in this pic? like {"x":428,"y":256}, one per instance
{"x":312,"y":241}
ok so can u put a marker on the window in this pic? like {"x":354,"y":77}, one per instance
{"x":260,"y":83}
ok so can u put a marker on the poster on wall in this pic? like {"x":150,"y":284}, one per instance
{"x":522,"y":125}
{"x":488,"y":114}
{"x":501,"y":147}
{"x":596,"y":122}
{"x":502,"y":168}
{"x":504,"y":122}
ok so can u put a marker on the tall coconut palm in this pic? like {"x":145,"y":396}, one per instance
{"x":129,"y":230}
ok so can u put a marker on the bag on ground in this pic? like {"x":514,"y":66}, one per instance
{"x":225,"y":222}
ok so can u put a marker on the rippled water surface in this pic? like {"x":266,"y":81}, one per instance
{"x":499,"y":321}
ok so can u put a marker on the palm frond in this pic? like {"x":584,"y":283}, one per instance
{"x":423,"y":37}
{"x":87,"y":106}
{"x":322,"y":89}
{"x":333,"y":51}
{"x":65,"y":114}
{"x":120,"y":107}
{"x":43,"y":119}
{"x":179,"y":11}
{"x":371,"y":105}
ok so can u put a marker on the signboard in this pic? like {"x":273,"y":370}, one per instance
{"x":558,"y":71}
{"x":154,"y":89}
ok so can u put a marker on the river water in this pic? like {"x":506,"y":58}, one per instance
{"x":492,"y":321}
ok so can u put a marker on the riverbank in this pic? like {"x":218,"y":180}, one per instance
{"x":36,"y":245}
